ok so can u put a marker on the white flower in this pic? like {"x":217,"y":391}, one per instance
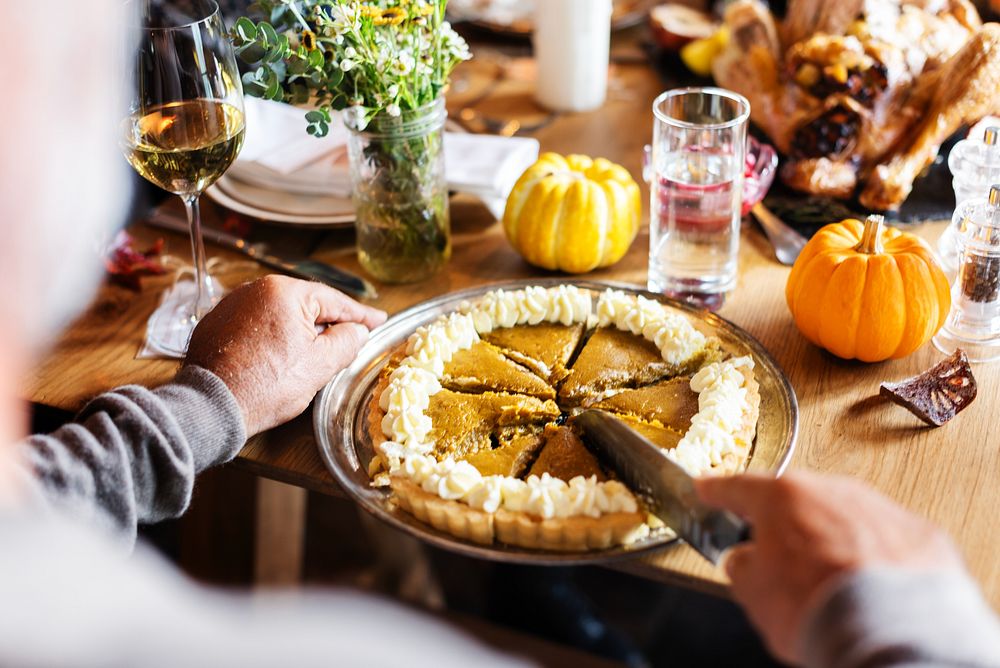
{"x":347,"y":65}
{"x":393,"y":110}
{"x":350,"y":52}
{"x":392,"y":91}
{"x":404,"y":64}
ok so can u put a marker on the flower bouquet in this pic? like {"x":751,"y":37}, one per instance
{"x":385,"y":64}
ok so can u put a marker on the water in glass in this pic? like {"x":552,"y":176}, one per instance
{"x":693,"y":238}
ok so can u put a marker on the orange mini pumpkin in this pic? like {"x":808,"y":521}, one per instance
{"x":862,"y":291}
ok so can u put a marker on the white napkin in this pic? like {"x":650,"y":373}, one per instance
{"x":159,"y":327}
{"x":278,"y":154}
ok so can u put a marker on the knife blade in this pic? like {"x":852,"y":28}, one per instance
{"x":666,"y":488}
{"x":312,"y":270}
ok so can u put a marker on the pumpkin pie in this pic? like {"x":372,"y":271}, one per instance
{"x":669,"y":402}
{"x":472,"y":418}
{"x":565,"y":456}
{"x":511,"y":456}
{"x":464,"y":423}
{"x":613,"y":359}
{"x":484,"y":368}
{"x":656,"y":432}
{"x":545,"y":348}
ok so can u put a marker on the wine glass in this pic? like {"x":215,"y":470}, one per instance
{"x":184,"y":126}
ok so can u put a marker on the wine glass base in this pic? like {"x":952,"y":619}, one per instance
{"x":171,"y":337}
{"x":169,"y":329}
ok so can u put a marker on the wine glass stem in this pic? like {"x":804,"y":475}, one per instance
{"x":205,"y":291}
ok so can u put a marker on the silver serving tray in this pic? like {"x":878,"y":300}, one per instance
{"x":340,"y":421}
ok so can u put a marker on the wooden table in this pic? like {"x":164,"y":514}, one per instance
{"x":951,"y":474}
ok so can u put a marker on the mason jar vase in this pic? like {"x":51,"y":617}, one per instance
{"x":400,"y":193}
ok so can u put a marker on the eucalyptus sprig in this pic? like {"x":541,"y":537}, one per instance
{"x":381,"y":56}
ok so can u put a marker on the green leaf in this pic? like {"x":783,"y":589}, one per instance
{"x":251,"y":54}
{"x":316,"y":59}
{"x":245,"y":30}
{"x":253,"y":86}
{"x":270,"y":36}
{"x":314,"y":116}
{"x":273,"y":91}
{"x":334,"y":76}
{"x":297,"y":65}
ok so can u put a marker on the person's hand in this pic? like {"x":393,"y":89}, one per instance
{"x":277,"y":341}
{"x":807,"y":531}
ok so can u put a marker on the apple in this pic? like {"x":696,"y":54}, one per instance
{"x":675,"y":25}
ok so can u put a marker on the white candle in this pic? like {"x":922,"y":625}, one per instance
{"x":572,"y":43}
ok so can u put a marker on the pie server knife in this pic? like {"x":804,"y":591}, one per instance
{"x":666,"y":488}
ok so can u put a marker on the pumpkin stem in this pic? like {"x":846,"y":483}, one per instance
{"x":871,"y":239}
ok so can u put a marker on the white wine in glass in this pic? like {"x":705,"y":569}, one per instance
{"x":185,"y":123}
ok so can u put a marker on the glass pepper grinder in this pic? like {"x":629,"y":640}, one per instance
{"x":974,"y":165}
{"x":974,"y":321}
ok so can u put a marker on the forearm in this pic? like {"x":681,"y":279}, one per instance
{"x":133,"y":454}
{"x":882,"y":618}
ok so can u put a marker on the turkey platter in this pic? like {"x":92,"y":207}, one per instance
{"x":860,"y":94}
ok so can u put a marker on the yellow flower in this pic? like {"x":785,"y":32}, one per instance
{"x":308,"y":38}
{"x":392,"y":16}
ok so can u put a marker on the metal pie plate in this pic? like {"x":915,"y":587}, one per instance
{"x":340,"y":421}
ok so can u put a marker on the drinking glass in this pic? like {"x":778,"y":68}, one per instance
{"x":184,"y":124}
{"x":696,"y":187}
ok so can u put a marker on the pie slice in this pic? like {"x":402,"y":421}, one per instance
{"x":545,"y":348}
{"x":510,"y":458}
{"x":565,"y":456}
{"x":613,"y":359}
{"x":464,"y":423}
{"x":671,"y":403}
{"x":484,"y":368}
{"x":610,"y":360}
{"x":657,"y":433}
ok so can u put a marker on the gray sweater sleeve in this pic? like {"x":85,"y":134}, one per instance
{"x":884,"y":618}
{"x":132,"y":454}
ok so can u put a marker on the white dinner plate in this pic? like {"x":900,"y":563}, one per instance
{"x":278,"y":206}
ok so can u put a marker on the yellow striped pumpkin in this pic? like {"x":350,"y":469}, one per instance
{"x":572,"y":213}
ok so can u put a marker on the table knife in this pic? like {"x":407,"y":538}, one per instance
{"x":312,"y":270}
{"x":666,"y":488}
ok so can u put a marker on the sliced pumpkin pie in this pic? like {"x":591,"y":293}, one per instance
{"x":610,"y":360}
{"x":468,"y":436}
{"x":613,"y":359}
{"x":565,"y":456}
{"x":545,"y":348}
{"x":512,"y":454}
{"x":483,"y":368}
{"x":464,"y":423}
{"x":669,"y":402}
{"x":656,"y":432}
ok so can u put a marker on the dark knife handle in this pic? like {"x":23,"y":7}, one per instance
{"x":726,"y":530}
